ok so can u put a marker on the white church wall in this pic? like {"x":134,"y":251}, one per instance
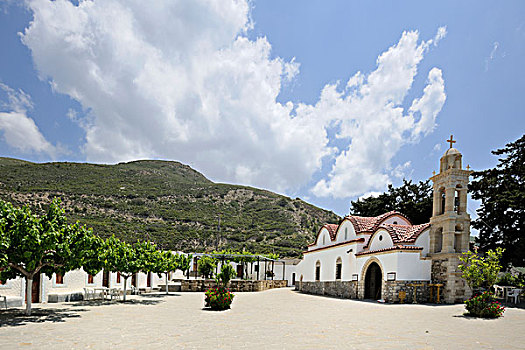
{"x":387,"y":262}
{"x":381,"y":240}
{"x":396,"y":220}
{"x":406,"y":264}
{"x":424,"y":241}
{"x":411,"y":267}
{"x":323,"y":239}
{"x":345,"y":232}
{"x":327,"y":258}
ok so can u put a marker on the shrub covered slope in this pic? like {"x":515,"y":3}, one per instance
{"x":166,"y":202}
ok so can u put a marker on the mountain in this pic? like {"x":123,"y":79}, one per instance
{"x":166,"y":202}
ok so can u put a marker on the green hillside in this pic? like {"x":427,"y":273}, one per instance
{"x":166,"y":202}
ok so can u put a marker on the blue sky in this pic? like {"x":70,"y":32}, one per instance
{"x":265,"y":93}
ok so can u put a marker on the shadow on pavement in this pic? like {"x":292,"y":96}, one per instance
{"x":158,"y":295}
{"x":17,"y":317}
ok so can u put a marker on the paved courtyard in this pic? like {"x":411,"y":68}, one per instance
{"x":274,"y":319}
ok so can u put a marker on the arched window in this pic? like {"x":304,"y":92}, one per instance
{"x":338,"y":268}
{"x":324,"y":240}
{"x":442,"y":201}
{"x":457,"y":199}
{"x":318,"y":270}
{"x":346,"y":233}
{"x":439,"y":240}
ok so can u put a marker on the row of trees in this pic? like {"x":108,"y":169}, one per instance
{"x":207,"y":264}
{"x":32,"y":244}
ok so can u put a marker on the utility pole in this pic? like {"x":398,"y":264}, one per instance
{"x":218,"y":233}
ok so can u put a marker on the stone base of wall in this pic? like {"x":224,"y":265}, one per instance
{"x":64,"y":297}
{"x":391,"y":290}
{"x":350,"y":290}
{"x":171,"y":288}
{"x":234,"y":286}
{"x":339,"y":289}
{"x":445,"y":271}
{"x":11,"y":302}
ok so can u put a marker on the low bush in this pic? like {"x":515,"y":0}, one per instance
{"x":218,"y":298}
{"x":484,"y":305}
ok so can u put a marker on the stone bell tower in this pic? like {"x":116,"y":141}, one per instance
{"x":450,"y":225}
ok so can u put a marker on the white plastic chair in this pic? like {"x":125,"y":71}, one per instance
{"x":89,"y":293}
{"x":499,"y":291}
{"x":515,"y":293}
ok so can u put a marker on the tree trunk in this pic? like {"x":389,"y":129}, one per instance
{"x":29,"y":294}
{"x":125,"y":287}
{"x":167,"y":282}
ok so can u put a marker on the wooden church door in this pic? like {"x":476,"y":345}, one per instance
{"x":373,"y":282}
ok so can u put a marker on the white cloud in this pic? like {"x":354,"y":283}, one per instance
{"x":492,"y":55}
{"x":20,"y":131}
{"x":180,"y":80}
{"x":373,"y":118}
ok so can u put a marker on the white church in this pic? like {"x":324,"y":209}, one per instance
{"x":388,"y":258}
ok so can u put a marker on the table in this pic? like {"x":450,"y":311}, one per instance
{"x":102,"y":291}
{"x":105,"y":291}
{"x":415,"y":285}
{"x":437,"y":286}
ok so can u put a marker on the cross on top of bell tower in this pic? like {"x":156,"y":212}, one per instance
{"x":451,"y":141}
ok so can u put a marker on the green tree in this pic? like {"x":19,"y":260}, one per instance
{"x":30,"y":245}
{"x":411,"y":199}
{"x":165,"y":262}
{"x":502,"y":194}
{"x":480,"y":271}
{"x":185,"y":263}
{"x":128,"y":259}
{"x":206,"y":266}
{"x":226,"y":274}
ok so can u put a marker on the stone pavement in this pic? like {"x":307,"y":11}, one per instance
{"x":274,"y":319}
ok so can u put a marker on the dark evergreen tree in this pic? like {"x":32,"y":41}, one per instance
{"x":501,"y":190}
{"x":412,"y":199}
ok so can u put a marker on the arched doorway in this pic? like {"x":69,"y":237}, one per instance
{"x":373,"y":282}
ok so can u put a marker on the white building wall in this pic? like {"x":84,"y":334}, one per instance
{"x":406,"y":264}
{"x":423,"y":241}
{"x":380,"y":240}
{"x":328,"y":258}
{"x":387,"y":262}
{"x":345,"y":232}
{"x":12,"y":287}
{"x":396,"y":220}
{"x":411,"y":267}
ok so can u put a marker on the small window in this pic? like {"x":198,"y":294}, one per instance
{"x":118,"y":277}
{"x":90,"y":279}
{"x":380,"y":237}
{"x":59,"y":278}
{"x":338,"y":269}
{"x":318,"y":271}
{"x":395,"y":222}
{"x":346,"y":233}
{"x":324,"y":240}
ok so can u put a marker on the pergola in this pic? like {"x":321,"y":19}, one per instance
{"x":224,"y":257}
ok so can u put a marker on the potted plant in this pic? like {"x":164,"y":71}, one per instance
{"x":220,"y":298}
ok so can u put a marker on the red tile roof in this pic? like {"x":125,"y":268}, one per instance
{"x":371,"y":223}
{"x":405,"y":234}
{"x":332,"y":230}
{"x":396,"y":247}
